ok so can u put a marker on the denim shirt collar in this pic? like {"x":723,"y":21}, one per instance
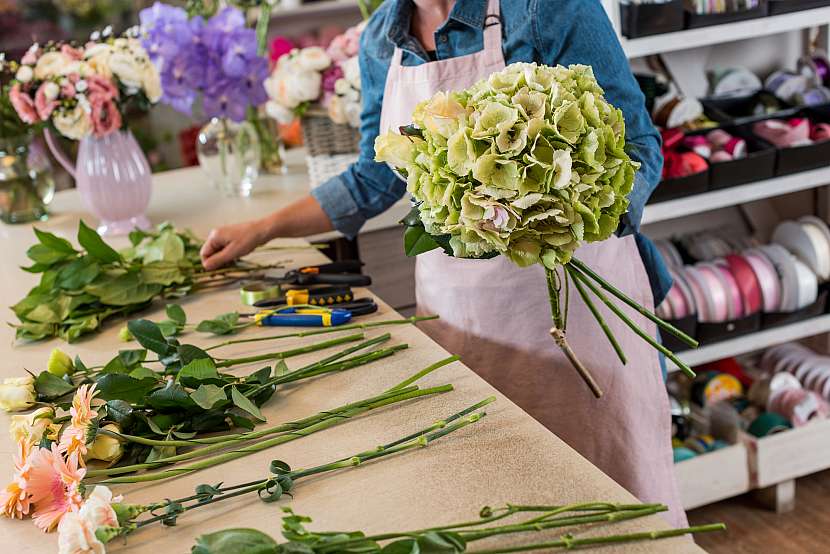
{"x":466,"y":12}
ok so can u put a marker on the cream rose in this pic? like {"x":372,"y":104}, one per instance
{"x":73,"y":124}
{"x":52,"y":64}
{"x":337,"y":109}
{"x":30,"y":428}
{"x":351,"y":71}
{"x":151,"y":81}
{"x":105,"y":447}
{"x":17,"y":393}
{"x":24,"y":74}
{"x":313,"y":58}
{"x":98,"y":57}
{"x":279,"y":112}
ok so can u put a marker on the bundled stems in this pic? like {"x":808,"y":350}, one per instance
{"x":598,"y":316}
{"x":289,"y":353}
{"x":558,"y":334}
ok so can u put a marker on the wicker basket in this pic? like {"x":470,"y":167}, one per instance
{"x":323,"y":137}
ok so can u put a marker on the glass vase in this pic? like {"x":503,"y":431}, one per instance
{"x":113,"y":179}
{"x":229,"y":153}
{"x":270,"y":145}
{"x":26,"y":184}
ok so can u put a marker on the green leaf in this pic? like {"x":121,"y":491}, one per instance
{"x":167,"y":247}
{"x":169,"y":328}
{"x":95,"y":245}
{"x":123,"y":290}
{"x":171,"y":397}
{"x":240,"y":420}
{"x":417,"y":241}
{"x":223,"y":324}
{"x":117,"y":386}
{"x":199,"y":371}
{"x":207,"y":396}
{"x":160,"y":452}
{"x":54,"y":242}
{"x":142,"y":372}
{"x":162,"y":273}
{"x":149,"y":336}
{"x":120,"y":412}
{"x":261,"y":376}
{"x":78,"y":273}
{"x":43,"y":255}
{"x":176,"y":314}
{"x":132,"y":358}
{"x":242,"y":402}
{"x":49,"y":386}
{"x":136,"y":236}
{"x":188,"y":353}
{"x":238,"y":541}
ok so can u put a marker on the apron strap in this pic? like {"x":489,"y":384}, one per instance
{"x":396,"y":58}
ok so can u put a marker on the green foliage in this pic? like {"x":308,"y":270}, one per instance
{"x":239,"y":541}
{"x":224,"y":324}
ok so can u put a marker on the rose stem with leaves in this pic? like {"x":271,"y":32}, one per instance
{"x":324,"y":331}
{"x":283,"y":479}
{"x":633,"y":326}
{"x":558,"y":334}
{"x":294,"y":430}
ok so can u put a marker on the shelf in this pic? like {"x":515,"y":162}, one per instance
{"x":754,"y":341}
{"x":728,"y":32}
{"x":321,"y":7}
{"x":672,"y":209}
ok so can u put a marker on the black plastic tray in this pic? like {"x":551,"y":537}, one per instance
{"x":688,"y":325}
{"x":643,"y":20}
{"x":737,"y":110}
{"x":780,"y":7}
{"x":694,"y":21}
{"x":783,"y":318}
{"x":671,"y":189}
{"x":708,"y":333}
{"x":758,"y":165}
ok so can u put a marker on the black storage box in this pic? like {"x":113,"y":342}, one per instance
{"x":811,"y":156}
{"x":779,"y":7}
{"x":708,"y":333}
{"x":785,"y":318}
{"x":739,"y":110}
{"x":688,"y":325}
{"x":758,"y":165}
{"x":694,"y":20}
{"x":642,"y":20}
{"x":670,"y":189}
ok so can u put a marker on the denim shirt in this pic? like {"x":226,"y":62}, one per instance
{"x":544,"y":31}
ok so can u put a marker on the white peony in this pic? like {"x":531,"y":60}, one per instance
{"x":313,"y":58}
{"x":52,"y":90}
{"x":351,"y":71}
{"x":337,"y":109}
{"x":293,"y":88}
{"x":73,"y":123}
{"x":24,"y":74}
{"x":98,"y":57}
{"x":279,"y":112}
{"x":53,"y":64}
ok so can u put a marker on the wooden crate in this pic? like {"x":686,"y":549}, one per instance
{"x":788,"y":455}
{"x":714,"y":476}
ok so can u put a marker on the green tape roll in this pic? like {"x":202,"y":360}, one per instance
{"x":251,"y":293}
{"x":768,"y":423}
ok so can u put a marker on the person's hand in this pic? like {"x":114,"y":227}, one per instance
{"x":228,"y":243}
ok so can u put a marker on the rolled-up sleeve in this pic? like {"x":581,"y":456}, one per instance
{"x":584,"y":35}
{"x":367,"y":188}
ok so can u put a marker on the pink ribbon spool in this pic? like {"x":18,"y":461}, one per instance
{"x":716,"y":291}
{"x":736,"y":148}
{"x":767,"y":278}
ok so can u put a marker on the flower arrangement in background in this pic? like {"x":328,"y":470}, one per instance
{"x":303,"y":76}
{"x":83,"y":91}
{"x":216,"y":58}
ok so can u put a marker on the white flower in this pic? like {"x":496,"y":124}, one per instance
{"x":342,"y":86}
{"x":52,"y":64}
{"x":353,"y":112}
{"x":30,"y":428}
{"x":279,"y":112}
{"x":337,"y":109}
{"x":24,"y":74}
{"x":17,"y":393}
{"x":98,"y":57}
{"x":291,"y":89}
{"x":151,"y":81}
{"x":52,"y":90}
{"x":73,"y":123}
{"x":313,"y":58}
{"x":81,"y":85}
{"x":128,"y":69}
{"x":76,"y":535}
{"x":97,"y":508}
{"x":351,"y":71}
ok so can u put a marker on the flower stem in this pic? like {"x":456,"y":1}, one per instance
{"x":633,"y":326}
{"x":424,"y":372}
{"x":324,"y":331}
{"x":600,"y":320}
{"x":289,"y":353}
{"x":668,"y":327}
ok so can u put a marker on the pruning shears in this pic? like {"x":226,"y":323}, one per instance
{"x":345,"y":273}
{"x":291,"y":316}
{"x":321,"y":296}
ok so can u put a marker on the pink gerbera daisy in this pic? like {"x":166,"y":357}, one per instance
{"x":53,"y":487}
{"x":74,"y":437}
{"x":14,"y":499}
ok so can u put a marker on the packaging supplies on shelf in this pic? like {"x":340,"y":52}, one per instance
{"x":796,"y":366}
{"x":703,"y":13}
{"x":642,"y":18}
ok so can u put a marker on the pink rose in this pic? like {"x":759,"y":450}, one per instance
{"x":23,"y":105}
{"x":31,"y":55}
{"x":68,"y":89}
{"x":279,"y":47}
{"x":101,"y":87}
{"x":43,"y":104}
{"x":105,"y":117}
{"x":71,"y":53}
{"x":330,"y":76}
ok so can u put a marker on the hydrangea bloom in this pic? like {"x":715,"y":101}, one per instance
{"x":528,"y":163}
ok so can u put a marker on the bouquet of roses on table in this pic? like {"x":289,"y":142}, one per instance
{"x":330,"y":76}
{"x":83,"y":90}
{"x":529,"y":163}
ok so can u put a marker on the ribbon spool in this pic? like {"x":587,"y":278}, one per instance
{"x":787,"y":84}
{"x":256,"y":291}
{"x":681,"y":454}
{"x":809,"y":240}
{"x":799,"y":406}
{"x":675,"y":111}
{"x":711,"y":387}
{"x":767,"y":278}
{"x":768,"y":423}
{"x":734,"y":81}
{"x":701,"y":444}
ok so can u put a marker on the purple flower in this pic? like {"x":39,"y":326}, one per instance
{"x":240,"y":50}
{"x":166,"y":30}
{"x":257,"y":72}
{"x":226,"y":99}
{"x":330,"y":76}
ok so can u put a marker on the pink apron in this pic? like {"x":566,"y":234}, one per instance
{"x":496,"y":316}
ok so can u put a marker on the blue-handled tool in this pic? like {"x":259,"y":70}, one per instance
{"x":291,"y":316}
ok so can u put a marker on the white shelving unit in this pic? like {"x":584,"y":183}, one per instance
{"x":315,"y":8}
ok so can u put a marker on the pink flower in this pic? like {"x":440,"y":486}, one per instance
{"x":330,"y":76}
{"x":346,"y":45}
{"x":73,"y":439}
{"x":101,"y":87}
{"x":54,"y":487}
{"x":279,"y":47}
{"x":43,"y":104}
{"x":23,"y":104}
{"x":14,"y":499}
{"x":105,"y":119}
{"x":31,"y":55}
{"x":72,"y":53}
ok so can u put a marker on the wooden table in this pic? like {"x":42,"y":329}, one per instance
{"x":508,"y":457}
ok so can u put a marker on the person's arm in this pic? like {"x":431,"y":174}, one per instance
{"x":579,"y":32}
{"x":344,"y":202}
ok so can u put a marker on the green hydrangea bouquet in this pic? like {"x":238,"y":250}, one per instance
{"x":529,"y":163}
